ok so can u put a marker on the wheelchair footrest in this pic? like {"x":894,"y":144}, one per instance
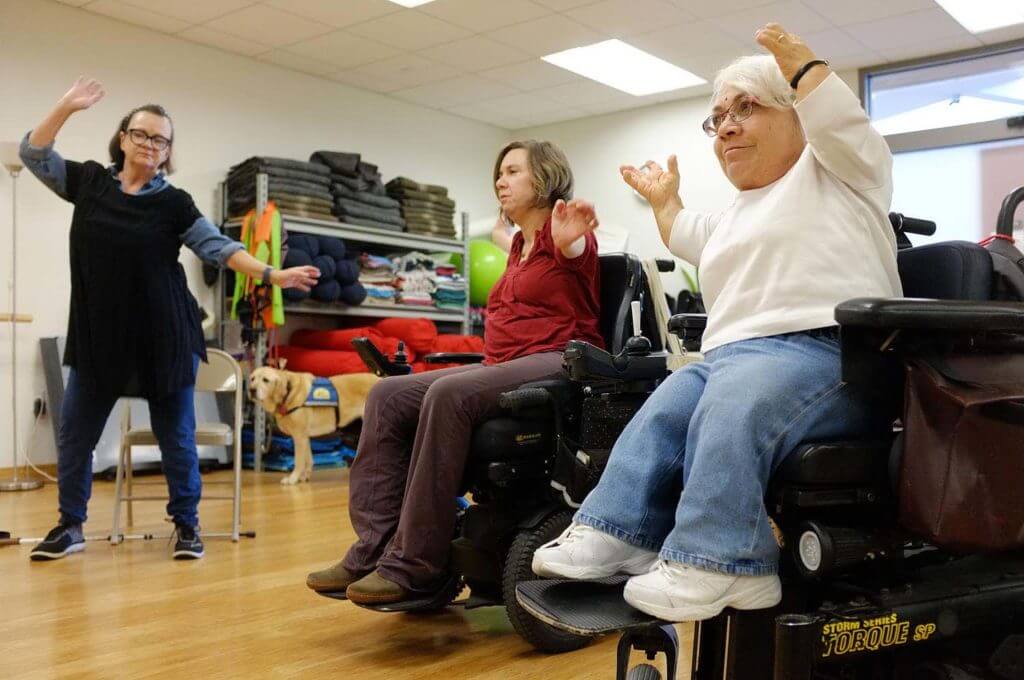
{"x":424,"y":601}
{"x":581,"y":607}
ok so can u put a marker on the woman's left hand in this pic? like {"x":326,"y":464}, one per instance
{"x":790,"y":52}
{"x":571,"y":220}
{"x":303,"y":278}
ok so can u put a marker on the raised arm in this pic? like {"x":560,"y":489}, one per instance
{"x":837,"y":128}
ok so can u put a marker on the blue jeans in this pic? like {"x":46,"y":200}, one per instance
{"x":173,"y":419}
{"x":688,"y":475}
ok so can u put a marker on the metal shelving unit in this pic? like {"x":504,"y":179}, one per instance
{"x":352,"y":234}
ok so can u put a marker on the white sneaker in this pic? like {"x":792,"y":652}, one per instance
{"x":585,"y":553}
{"x":678,"y":592}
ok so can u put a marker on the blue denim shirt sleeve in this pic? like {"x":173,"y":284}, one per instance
{"x":46,"y":164}
{"x":208,"y":243}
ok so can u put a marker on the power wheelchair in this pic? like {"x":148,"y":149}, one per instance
{"x":862,"y":596}
{"x":516,"y":508}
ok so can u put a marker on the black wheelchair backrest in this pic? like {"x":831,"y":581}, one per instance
{"x":951,"y":270}
{"x":621,"y":283}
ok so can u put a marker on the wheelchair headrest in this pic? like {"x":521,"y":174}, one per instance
{"x":951,"y":270}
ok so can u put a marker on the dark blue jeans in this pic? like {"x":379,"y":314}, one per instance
{"x":173,"y":419}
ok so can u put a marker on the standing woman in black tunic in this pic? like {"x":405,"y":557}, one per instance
{"x":134,"y":327}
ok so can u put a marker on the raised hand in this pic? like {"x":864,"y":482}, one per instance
{"x":571,"y":220}
{"x":790,"y":52}
{"x":303,"y":278}
{"x":83,"y":94}
{"x":659,"y":187}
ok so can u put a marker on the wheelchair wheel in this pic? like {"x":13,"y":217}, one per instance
{"x":517,"y":569}
{"x":644,"y":671}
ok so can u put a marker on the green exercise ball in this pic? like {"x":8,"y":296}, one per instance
{"x":486,"y":265}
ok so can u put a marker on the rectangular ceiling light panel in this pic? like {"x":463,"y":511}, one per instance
{"x":624,"y":67}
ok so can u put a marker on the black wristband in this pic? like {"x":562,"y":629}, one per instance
{"x":804,"y":69}
{"x":266,"y":275}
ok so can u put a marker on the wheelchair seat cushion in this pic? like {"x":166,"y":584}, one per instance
{"x":836,"y":463}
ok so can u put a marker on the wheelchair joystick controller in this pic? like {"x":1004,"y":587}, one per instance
{"x":637,"y":345}
{"x":400,"y":356}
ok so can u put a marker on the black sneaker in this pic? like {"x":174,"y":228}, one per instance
{"x":62,"y":540}
{"x":188,"y":546}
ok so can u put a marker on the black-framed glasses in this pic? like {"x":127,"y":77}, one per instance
{"x":741,"y":109}
{"x":140,"y":137}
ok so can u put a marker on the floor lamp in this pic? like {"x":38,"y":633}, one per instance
{"x":11,"y":161}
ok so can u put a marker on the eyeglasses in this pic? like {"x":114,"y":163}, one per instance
{"x":139,"y":138}
{"x":738,"y":112}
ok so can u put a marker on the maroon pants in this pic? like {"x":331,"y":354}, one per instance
{"x":411,"y":459}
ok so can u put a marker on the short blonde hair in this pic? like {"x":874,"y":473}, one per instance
{"x":758,"y":76}
{"x":552,"y":176}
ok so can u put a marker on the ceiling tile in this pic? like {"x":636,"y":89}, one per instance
{"x":366,"y":81}
{"x":484,"y":15}
{"x":475,"y":54}
{"x":453,"y":92}
{"x":930,"y":48}
{"x":192,"y":11}
{"x":1002,"y":34}
{"x":896,"y":33}
{"x":622,"y":18}
{"x":229,"y":43}
{"x":486,"y":115}
{"x":795,"y":17}
{"x":707,"y":10}
{"x":582,"y":92}
{"x":545,"y":36}
{"x":562,"y":5}
{"x":530,"y":75}
{"x":699,"y":37}
{"x":335,"y":13}
{"x":833,"y":43}
{"x":268,"y":25}
{"x":342,"y":49}
{"x":138,"y":16}
{"x":409,"y":30}
{"x":844,"y":12}
{"x":74,"y":3}
{"x":407,"y":70}
{"x":299,"y":63}
{"x":557,"y":116}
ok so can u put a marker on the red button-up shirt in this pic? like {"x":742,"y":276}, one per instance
{"x":541,"y":303}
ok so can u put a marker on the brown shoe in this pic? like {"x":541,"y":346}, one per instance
{"x":333,"y":579}
{"x":375,"y":589}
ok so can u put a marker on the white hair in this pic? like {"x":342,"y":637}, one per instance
{"x":758,"y":76}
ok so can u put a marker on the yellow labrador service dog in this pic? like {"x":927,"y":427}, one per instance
{"x":292,"y":399}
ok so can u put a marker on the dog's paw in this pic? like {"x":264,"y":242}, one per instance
{"x":290,"y":479}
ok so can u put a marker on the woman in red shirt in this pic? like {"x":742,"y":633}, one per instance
{"x":417,"y":428}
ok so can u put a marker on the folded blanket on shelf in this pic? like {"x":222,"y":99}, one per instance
{"x":345,"y":207}
{"x":248,"y":174}
{"x":406,"y":183}
{"x":342,"y":191}
{"x":340,"y":162}
{"x":401,"y":194}
{"x":260,"y":162}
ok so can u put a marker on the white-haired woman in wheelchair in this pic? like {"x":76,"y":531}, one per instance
{"x":417,"y":428}
{"x":680,"y":504}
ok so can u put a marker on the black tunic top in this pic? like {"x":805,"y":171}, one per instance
{"x":133,"y":326}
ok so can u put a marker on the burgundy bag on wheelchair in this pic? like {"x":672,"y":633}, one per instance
{"x":962,"y":472}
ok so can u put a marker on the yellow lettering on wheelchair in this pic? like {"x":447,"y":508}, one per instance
{"x":527,"y":438}
{"x":923,"y":631}
{"x":847,"y":637}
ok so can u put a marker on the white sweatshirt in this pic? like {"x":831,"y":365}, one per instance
{"x":781,"y":257}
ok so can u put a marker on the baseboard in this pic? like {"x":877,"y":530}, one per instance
{"x":27,"y":472}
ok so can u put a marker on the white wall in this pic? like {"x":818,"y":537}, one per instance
{"x":597,"y":146}
{"x":225,"y":108}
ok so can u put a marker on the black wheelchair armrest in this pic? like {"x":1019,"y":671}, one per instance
{"x":377,"y":361}
{"x":584,"y":362}
{"x":687,"y":324}
{"x":454,"y":358}
{"x":923,"y":314}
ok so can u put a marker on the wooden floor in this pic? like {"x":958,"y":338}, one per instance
{"x":242,"y":612}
